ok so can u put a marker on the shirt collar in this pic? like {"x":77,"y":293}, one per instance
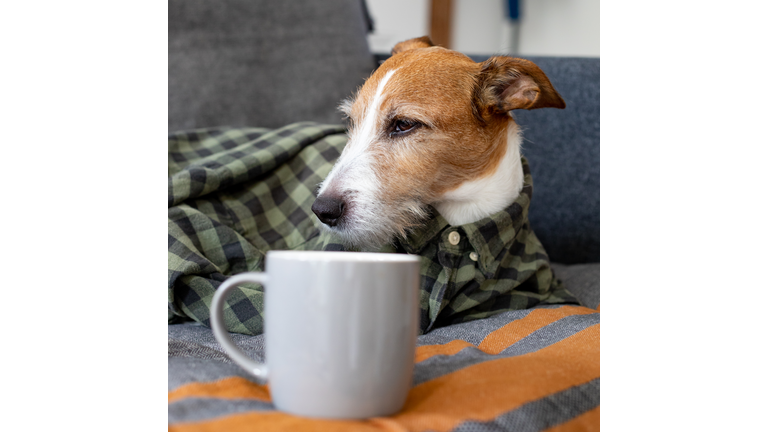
{"x":489,"y":237}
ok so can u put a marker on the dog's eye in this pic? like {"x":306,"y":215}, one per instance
{"x":402,"y":126}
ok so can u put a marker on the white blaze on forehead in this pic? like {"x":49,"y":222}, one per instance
{"x":363,"y":136}
{"x":354,"y":156}
{"x":368,"y":129}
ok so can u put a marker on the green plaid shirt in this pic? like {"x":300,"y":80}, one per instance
{"x":234,"y":194}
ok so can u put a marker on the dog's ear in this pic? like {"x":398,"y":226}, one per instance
{"x":507,"y":83}
{"x":422,"y":42}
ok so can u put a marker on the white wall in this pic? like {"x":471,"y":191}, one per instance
{"x":560,"y":27}
{"x":547,"y":27}
{"x":395,"y":21}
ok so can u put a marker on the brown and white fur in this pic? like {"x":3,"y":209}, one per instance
{"x":430,"y":127}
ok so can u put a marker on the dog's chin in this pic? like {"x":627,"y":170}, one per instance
{"x":372,"y":229}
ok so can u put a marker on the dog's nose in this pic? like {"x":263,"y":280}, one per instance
{"x":328,"y":209}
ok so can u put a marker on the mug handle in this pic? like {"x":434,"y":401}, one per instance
{"x":220,"y":330}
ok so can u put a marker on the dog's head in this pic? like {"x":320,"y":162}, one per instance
{"x":425,"y":122}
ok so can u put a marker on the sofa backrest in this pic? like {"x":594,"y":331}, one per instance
{"x":263,"y":62}
{"x":563,"y":149}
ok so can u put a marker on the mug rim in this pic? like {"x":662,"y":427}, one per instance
{"x":342,"y":256}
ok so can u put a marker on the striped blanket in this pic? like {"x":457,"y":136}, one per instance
{"x":524,"y":370}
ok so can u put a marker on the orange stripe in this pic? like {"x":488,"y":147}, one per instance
{"x":228,"y":388}
{"x":512,"y":332}
{"x":500,"y":339}
{"x":426,"y":351}
{"x":480,"y":392}
{"x":275,"y":421}
{"x":586,"y":422}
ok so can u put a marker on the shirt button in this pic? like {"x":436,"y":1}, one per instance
{"x":453,"y":238}
{"x":473,"y":256}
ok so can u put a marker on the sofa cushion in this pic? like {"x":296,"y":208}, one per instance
{"x":582,"y":280}
{"x":261,"y":62}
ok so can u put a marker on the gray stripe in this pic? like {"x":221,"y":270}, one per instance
{"x":553,"y":306}
{"x":474,"y":331}
{"x":183,"y":371}
{"x":196,"y":340}
{"x":543,"y":413}
{"x":440,"y":365}
{"x":199,"y":409}
{"x":195,"y":356}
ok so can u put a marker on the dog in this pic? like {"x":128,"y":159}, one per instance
{"x":430,"y":127}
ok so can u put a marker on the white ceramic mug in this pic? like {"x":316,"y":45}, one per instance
{"x":340,"y":330}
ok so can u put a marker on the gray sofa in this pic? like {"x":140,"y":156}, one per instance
{"x":268,"y":63}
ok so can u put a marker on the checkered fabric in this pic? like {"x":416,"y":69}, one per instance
{"x":236,"y":193}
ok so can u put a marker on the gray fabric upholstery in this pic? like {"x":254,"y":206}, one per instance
{"x":263,"y":62}
{"x":563,"y":148}
{"x":582,"y":280}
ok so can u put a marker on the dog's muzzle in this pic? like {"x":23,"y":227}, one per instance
{"x":329,"y":209}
